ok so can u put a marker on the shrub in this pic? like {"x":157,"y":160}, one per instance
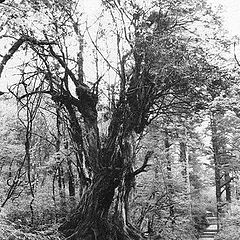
{"x":230,"y":229}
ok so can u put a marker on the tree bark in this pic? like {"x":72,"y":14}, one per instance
{"x":103,"y":209}
{"x":93,"y":218}
{"x":183,"y":159}
{"x":228,"y":186}
{"x":216,"y":160}
{"x":169,"y":176}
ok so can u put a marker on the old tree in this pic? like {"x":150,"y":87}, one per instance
{"x":158,"y":73}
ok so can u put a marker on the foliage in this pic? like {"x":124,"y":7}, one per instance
{"x":17,"y":230}
{"x":199,"y":217}
{"x":231,"y":222}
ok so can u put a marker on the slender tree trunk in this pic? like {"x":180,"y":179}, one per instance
{"x":183,"y":159}
{"x":71,"y":184}
{"x":217,"y":166}
{"x":60,"y":171}
{"x":62,"y":188}
{"x":169,"y":176}
{"x":216,"y":158}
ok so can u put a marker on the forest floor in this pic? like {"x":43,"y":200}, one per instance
{"x":12,"y":231}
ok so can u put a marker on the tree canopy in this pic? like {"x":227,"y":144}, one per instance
{"x":102,"y":141}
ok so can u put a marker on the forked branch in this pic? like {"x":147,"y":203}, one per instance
{"x":17,"y":45}
{"x":145,"y":164}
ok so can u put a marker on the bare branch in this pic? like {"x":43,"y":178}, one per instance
{"x":235,"y":56}
{"x":105,"y":59}
{"x":16,"y":46}
{"x":64,"y":65}
{"x":145,"y":164}
{"x":10,"y":53}
{"x":227,"y":182}
{"x":35,"y":92}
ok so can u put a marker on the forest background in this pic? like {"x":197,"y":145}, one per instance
{"x":121,"y":125}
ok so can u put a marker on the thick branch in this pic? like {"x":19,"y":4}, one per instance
{"x":16,"y":46}
{"x":10,"y":53}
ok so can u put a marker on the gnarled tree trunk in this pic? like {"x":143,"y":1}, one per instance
{"x":103,"y":209}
